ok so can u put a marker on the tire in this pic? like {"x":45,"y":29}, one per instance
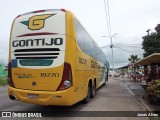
{"x":93,"y":90}
{"x":87,"y":99}
{"x":106,"y":79}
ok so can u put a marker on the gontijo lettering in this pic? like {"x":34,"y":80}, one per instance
{"x":37,"y":42}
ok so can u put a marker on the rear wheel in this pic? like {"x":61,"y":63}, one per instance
{"x":93,"y":90}
{"x":106,"y":79}
{"x":86,"y":100}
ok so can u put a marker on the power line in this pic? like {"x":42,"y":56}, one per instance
{"x":127,"y":44}
{"x":105,"y":46}
{"x":133,"y":47}
{"x":109,"y":29}
{"x":132,"y":51}
{"x":107,"y":18}
{"x":130,"y":45}
{"x":95,"y":48}
{"x":122,"y":49}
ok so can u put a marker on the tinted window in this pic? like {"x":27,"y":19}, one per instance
{"x":80,"y":34}
{"x":87,"y":44}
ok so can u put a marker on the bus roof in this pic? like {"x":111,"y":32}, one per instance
{"x":38,"y":11}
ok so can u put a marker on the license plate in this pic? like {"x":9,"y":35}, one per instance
{"x":33,"y":96}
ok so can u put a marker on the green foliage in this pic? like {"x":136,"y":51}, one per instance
{"x":3,"y":72}
{"x":133,"y":58}
{"x":154,"y":118}
{"x":3,"y":81}
{"x":151,"y":42}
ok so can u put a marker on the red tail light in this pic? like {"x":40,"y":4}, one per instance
{"x":67,"y":77}
{"x":10,"y":81}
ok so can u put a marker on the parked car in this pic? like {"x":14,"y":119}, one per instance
{"x":137,"y":74}
{"x":111,"y":73}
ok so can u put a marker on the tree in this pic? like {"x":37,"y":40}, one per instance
{"x":151,"y":42}
{"x":133,"y":58}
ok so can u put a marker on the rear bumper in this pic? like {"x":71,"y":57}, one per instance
{"x":62,"y":98}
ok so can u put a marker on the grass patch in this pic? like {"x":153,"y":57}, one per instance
{"x":3,"y":81}
{"x":154,"y":118}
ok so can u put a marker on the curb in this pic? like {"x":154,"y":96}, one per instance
{"x":144,"y":104}
{"x":139,"y":99}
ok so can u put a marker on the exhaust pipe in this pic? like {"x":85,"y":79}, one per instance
{"x":12,"y":97}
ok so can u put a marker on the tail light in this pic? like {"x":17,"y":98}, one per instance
{"x":67,"y":77}
{"x":10,"y":81}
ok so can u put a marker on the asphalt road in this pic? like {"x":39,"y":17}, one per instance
{"x":114,"y":96}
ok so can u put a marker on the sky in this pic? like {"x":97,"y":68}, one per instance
{"x":129,"y":19}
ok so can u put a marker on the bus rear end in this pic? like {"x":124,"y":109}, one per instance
{"x":38,"y":72}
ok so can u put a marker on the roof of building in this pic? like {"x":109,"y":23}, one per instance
{"x":123,"y":67}
{"x":151,"y":59}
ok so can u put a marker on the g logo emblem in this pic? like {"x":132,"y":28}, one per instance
{"x":36,"y":22}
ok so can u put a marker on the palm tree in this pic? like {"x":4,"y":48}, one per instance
{"x":133,"y":59}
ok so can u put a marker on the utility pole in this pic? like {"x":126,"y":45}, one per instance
{"x":112,"y":52}
{"x":112,"y":55}
{"x":111,"y":46}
